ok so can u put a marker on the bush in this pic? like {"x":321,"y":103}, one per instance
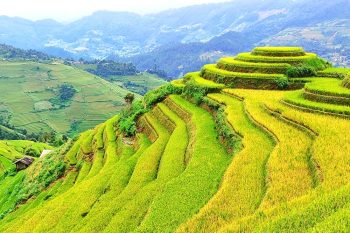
{"x":128,"y":117}
{"x":194,"y":92}
{"x":230,"y":139}
{"x":66,"y":92}
{"x":31,"y":151}
{"x":300,"y":71}
{"x":158,"y":95}
{"x":282,"y":84}
{"x":127,"y":121}
{"x":317,"y":63}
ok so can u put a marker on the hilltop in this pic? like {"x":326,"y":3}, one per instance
{"x":258,"y":142}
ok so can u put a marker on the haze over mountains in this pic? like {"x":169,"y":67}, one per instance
{"x":182,"y":40}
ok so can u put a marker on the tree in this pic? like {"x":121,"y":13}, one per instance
{"x":129,"y":98}
{"x":66,"y":92}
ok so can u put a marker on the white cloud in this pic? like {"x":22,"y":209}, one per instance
{"x":67,"y":10}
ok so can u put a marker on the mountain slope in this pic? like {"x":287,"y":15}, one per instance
{"x":30,"y":94}
{"x":206,"y":157}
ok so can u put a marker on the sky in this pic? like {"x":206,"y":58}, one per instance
{"x":69,"y":10}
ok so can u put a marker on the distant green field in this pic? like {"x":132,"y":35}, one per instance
{"x":27,"y":87}
{"x":140,"y":83}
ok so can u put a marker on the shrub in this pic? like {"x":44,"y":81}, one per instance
{"x":158,"y":95}
{"x":66,"y":92}
{"x":230,"y":139}
{"x":317,"y":63}
{"x":300,"y":71}
{"x":194,"y":92}
{"x":282,"y":84}
{"x":128,"y":117}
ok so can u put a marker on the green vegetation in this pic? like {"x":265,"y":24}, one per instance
{"x":219,"y":150}
{"x":230,"y":64}
{"x":300,"y":71}
{"x":139,"y":83}
{"x":279,"y":51}
{"x":29,"y":87}
{"x":11,"y":53}
{"x":10,"y":151}
{"x":66,"y":92}
{"x":334,"y":72}
{"x":105,"y":68}
{"x":124,"y":75}
{"x":296,"y":98}
{"x":248,"y":57}
{"x":197,"y":80}
{"x":193,"y":188}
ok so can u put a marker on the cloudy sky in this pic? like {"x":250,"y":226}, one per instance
{"x":68,"y":10}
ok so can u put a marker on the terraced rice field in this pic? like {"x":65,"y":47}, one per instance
{"x":290,"y":174}
{"x":35,"y":83}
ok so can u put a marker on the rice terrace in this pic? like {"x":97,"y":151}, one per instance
{"x":196,"y":116}
{"x":257,"y":142}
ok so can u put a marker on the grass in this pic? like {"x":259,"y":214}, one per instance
{"x":102,"y":212}
{"x":88,"y":189}
{"x":35,"y":84}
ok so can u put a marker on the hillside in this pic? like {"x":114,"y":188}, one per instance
{"x":124,"y":75}
{"x":13,"y":150}
{"x":258,"y":142}
{"x":30,"y":96}
{"x":11,"y":53}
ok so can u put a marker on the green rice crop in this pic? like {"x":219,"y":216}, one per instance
{"x":278,"y":51}
{"x":230,"y":64}
{"x":213,"y":70}
{"x":197,"y":80}
{"x":248,"y":57}
{"x":240,"y":194}
{"x":186,"y":194}
{"x":296,"y":98}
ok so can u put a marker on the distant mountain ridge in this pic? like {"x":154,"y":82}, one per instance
{"x":158,"y":37}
